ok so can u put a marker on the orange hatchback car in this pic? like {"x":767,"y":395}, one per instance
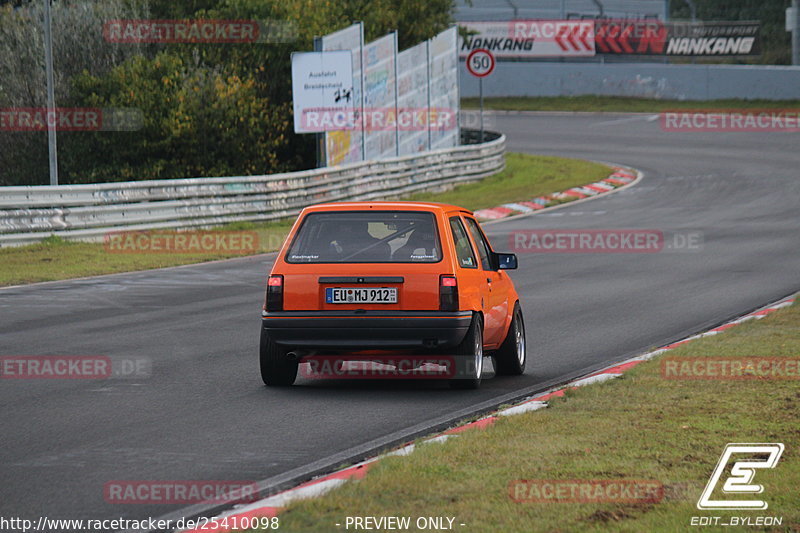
{"x":386,"y":278}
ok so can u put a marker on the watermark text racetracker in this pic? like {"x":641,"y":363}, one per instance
{"x":731,"y":368}
{"x":732,"y":120}
{"x":182,"y":242}
{"x":379,"y":119}
{"x":199,"y":31}
{"x":643,"y":241}
{"x":586,"y":491}
{"x":179,"y":491}
{"x":35,"y":119}
{"x":387,"y":367}
{"x":16,"y":367}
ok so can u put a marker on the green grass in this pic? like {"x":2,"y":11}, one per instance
{"x":640,"y":426}
{"x":56,"y":258}
{"x":525,"y":177}
{"x":620,"y":104}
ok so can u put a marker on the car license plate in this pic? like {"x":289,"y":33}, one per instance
{"x":360,"y":295}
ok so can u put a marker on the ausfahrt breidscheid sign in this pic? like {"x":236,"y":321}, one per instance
{"x":322,"y":91}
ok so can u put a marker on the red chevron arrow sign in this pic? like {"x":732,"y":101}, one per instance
{"x":530,"y":38}
{"x":575,"y":38}
{"x":630,"y":37}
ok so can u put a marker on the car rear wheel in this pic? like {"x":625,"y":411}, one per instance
{"x":469,"y":356}
{"x":277,"y":370}
{"x":510,"y":358}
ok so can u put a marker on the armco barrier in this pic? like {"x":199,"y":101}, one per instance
{"x":87,"y":212}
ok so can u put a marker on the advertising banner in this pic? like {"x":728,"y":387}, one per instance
{"x":344,"y":146}
{"x":530,"y":38}
{"x":379,"y":95}
{"x":444,"y":98}
{"x":693,"y":39}
{"x":412,"y":94}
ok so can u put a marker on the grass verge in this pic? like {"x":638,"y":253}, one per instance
{"x":640,"y":426}
{"x":525,"y":177}
{"x":620,"y":104}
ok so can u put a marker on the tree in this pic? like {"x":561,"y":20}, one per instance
{"x":78,"y":47}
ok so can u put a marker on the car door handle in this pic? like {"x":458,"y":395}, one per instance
{"x":489,"y":280}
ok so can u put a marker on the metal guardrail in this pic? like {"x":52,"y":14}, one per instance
{"x":88,"y":212}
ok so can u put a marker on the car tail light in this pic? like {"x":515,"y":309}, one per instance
{"x":448,"y":293}
{"x":274,"y":293}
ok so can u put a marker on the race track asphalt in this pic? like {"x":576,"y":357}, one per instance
{"x":203,"y":414}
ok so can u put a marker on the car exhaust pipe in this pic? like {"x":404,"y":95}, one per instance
{"x":296,"y":355}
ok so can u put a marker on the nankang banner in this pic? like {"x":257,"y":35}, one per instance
{"x":691,"y":39}
{"x":714,"y":39}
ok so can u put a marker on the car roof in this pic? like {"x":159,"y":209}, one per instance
{"x":386,"y":206}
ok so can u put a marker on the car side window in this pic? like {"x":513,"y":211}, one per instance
{"x":464,"y":253}
{"x":480,"y":241}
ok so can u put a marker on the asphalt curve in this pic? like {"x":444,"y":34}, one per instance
{"x":203,"y":414}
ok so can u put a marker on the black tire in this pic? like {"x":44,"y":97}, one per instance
{"x":469,"y":357}
{"x":511,"y":357}
{"x":277,"y":370}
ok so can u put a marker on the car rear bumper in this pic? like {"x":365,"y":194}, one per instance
{"x":366,"y":329}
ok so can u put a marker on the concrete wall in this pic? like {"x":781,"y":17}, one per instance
{"x":679,"y":82}
{"x":557,"y":9}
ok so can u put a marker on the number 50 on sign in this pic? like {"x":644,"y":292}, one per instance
{"x":480,"y":62}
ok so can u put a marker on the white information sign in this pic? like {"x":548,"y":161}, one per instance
{"x":322,"y":91}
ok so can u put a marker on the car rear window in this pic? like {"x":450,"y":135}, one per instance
{"x":366,"y":237}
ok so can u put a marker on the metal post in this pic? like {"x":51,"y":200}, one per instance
{"x":322,"y":156}
{"x":361,"y":81}
{"x":396,"y":97}
{"x":51,"y":98}
{"x":692,"y":10}
{"x":458,"y":91}
{"x":796,"y":33}
{"x":693,"y":14}
{"x":480,"y":91}
{"x":428,"y":72}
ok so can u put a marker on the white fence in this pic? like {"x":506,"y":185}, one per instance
{"x":88,"y":212}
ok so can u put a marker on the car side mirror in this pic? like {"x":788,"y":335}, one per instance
{"x":506,"y":261}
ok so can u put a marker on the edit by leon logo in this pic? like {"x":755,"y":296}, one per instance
{"x":741,"y":475}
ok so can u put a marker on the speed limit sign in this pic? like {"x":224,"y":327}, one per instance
{"x":480,"y":62}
